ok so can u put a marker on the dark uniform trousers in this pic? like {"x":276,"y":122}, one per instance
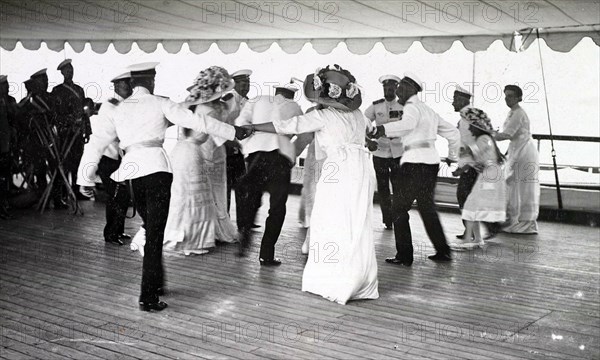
{"x":117,"y":201}
{"x":416,"y":182}
{"x":71,"y":162}
{"x":465,"y":185}
{"x":236,"y":169}
{"x":271,"y":172}
{"x":385,"y":169}
{"x":152,"y":195}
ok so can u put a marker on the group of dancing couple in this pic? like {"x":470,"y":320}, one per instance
{"x":171,"y":196}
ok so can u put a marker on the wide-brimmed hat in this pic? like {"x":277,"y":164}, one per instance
{"x":210,"y":84}
{"x":479,"y":119}
{"x":333,"y":86}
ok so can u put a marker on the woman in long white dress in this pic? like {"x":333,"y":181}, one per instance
{"x":198,"y":207}
{"x":522,"y":167}
{"x":341,"y":263}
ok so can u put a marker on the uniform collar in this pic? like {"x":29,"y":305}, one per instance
{"x":140,"y":90}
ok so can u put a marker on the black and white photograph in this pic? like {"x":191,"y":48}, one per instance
{"x":299,"y":179}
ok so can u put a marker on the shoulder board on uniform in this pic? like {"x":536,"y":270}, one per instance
{"x":378,"y":101}
{"x":114,"y":101}
{"x":227,"y":97}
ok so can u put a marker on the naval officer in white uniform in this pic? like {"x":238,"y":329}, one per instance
{"x":140,"y":123}
{"x":418,"y":129}
{"x":386,"y":159}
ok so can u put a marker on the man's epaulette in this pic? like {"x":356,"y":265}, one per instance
{"x":378,"y":101}
{"x":114,"y":101}
{"x":227,"y":97}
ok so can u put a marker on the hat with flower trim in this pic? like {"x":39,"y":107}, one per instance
{"x":479,"y":119}
{"x":333,"y":86}
{"x":211,"y":84}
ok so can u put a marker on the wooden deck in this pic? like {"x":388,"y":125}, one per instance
{"x":64,"y":294}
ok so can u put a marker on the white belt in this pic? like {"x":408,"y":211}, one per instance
{"x":420,"y":145}
{"x":145,"y":144}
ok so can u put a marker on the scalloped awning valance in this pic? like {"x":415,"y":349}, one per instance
{"x":291,"y":24}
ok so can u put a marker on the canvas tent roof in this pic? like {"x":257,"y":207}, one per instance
{"x":360,"y":24}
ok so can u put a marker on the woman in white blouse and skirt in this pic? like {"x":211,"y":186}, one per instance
{"x":522,"y":167}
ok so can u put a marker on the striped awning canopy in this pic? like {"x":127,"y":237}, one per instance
{"x":291,"y":24}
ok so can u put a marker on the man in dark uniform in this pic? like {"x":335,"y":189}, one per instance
{"x":38,"y":108}
{"x":386,"y":159}
{"x":7,"y":112}
{"x":71,"y":121}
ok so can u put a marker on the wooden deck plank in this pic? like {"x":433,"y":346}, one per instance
{"x":169,"y":343}
{"x":11,"y":354}
{"x":432,"y":320}
{"x":526,"y":288}
{"x":33,"y":336}
{"x":89,"y":339}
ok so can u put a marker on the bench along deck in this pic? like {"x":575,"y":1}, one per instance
{"x":64,"y":293}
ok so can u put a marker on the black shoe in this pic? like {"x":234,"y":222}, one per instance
{"x":272,"y":262}
{"x":395,"y":261}
{"x":161,"y":291}
{"x":389,"y":227}
{"x":461,"y":236}
{"x":124,"y":237}
{"x":255,"y":226}
{"x":114,"y":241}
{"x":439,"y":257}
{"x":157,"y":306}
